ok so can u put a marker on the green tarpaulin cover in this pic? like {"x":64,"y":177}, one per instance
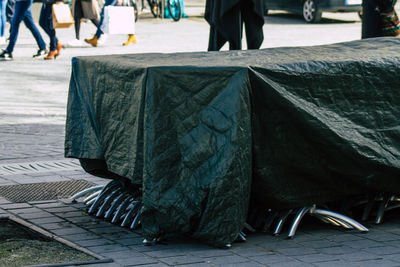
{"x":201,"y":132}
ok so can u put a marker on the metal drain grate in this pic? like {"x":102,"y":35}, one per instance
{"x":43,"y":191}
{"x":40,"y":166}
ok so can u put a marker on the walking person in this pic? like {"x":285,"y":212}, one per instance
{"x":379,"y":18}
{"x":23,"y":12}
{"x":3,"y":21}
{"x":84,"y":9}
{"x":46,"y":22}
{"x":95,"y":40}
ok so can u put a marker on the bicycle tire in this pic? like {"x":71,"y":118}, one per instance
{"x":132,"y":3}
{"x":174,"y":9}
{"x":155,"y":8}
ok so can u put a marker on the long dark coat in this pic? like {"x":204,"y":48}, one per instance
{"x":226,"y":19}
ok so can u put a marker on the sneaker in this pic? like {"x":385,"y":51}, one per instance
{"x":77,"y":43}
{"x":102,"y":39}
{"x":6,"y":56}
{"x":40,"y":52}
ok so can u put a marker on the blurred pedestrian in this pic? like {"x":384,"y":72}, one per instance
{"x":22,"y":12}
{"x":379,"y":18}
{"x":84,"y":9}
{"x":46,"y":22}
{"x":226,"y":19}
{"x":3,"y":21}
{"x":95,"y":40}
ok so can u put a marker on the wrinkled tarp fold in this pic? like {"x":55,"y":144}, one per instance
{"x":198,"y":131}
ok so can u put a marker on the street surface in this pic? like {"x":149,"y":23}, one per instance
{"x":32,"y":116}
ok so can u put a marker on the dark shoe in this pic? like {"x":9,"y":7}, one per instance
{"x":40,"y":52}
{"x":6,"y":56}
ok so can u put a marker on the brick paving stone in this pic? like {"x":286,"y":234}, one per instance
{"x":292,"y":263}
{"x":108,"y":248}
{"x":4,"y":201}
{"x":15,"y":206}
{"x":137,"y":261}
{"x":269,"y":259}
{"x":121,"y":234}
{"x":47,"y":220}
{"x":344,"y":238}
{"x":180,"y":260}
{"x":382,"y":236}
{"x":106,"y":230}
{"x":71,"y":214}
{"x":320,"y":244}
{"x":359,"y":256}
{"x":316,"y":258}
{"x":82,"y":236}
{"x":60,"y":209}
{"x":125,"y":254}
{"x":94,"y":242}
{"x":243,"y":264}
{"x":25,"y":210}
{"x":337,"y":263}
{"x":165,"y":253}
{"x":385,"y":250}
{"x":296,"y":251}
{"x":83,"y":219}
{"x":204,"y":264}
{"x":366,"y":243}
{"x":337,"y":250}
{"x":395,"y":243}
{"x":36,"y":215}
{"x":54,"y":226}
{"x":211,"y":252}
{"x":130,"y":241}
{"x":251,"y":251}
{"x":231,"y":259}
{"x":70,"y":231}
{"x":374,"y":263}
{"x":112,"y":264}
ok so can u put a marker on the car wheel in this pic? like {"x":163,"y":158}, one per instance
{"x":310,"y":11}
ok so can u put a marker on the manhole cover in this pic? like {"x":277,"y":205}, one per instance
{"x":40,"y":166}
{"x":43,"y":191}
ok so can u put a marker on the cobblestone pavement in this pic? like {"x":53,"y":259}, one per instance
{"x":32,"y":115}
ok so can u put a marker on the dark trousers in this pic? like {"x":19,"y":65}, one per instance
{"x":46,"y":22}
{"x":22,"y":12}
{"x":371,"y":22}
{"x":229,"y":28}
{"x":99,"y":32}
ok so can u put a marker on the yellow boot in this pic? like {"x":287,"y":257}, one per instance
{"x":131,"y":39}
{"x":92,"y":41}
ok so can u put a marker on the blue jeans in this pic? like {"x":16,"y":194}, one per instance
{"x":46,"y":22}
{"x":99,"y":32}
{"x":3,"y":20}
{"x":23,"y":12}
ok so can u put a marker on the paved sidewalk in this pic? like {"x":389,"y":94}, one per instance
{"x":32,"y":115}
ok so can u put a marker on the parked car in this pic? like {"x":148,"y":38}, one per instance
{"x":312,"y":9}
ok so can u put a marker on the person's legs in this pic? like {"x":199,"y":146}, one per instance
{"x":46,"y":22}
{"x":19,"y":11}
{"x":28,"y":20}
{"x":3,"y":19}
{"x":99,"y":32}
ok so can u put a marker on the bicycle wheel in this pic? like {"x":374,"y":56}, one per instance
{"x":155,"y":8}
{"x":132,"y":3}
{"x":174,"y":9}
